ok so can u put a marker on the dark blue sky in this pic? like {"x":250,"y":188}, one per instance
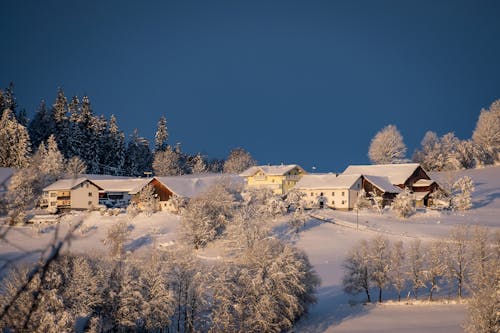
{"x":306,"y":82}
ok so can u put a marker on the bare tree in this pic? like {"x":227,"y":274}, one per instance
{"x":380,"y":263}
{"x":357,"y":271}
{"x":397,"y":272}
{"x":416,"y":265}
{"x":435,"y":266}
{"x":458,"y":259}
{"x":238,"y":161}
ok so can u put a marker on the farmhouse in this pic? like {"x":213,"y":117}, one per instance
{"x":279,"y":178}
{"x":406,"y":175}
{"x":187,"y":186}
{"x":75,"y":193}
{"x":380,"y":186}
{"x":118,"y":191}
{"x":330,"y":190}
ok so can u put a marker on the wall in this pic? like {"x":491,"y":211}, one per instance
{"x":85,"y":196}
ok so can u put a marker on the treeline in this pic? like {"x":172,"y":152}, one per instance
{"x":97,"y":141}
{"x":464,"y":264}
{"x":446,"y":152}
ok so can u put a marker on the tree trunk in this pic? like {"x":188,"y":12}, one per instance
{"x":380,"y":294}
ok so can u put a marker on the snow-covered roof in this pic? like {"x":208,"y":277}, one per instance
{"x":327,"y":181}
{"x":67,"y":184}
{"x":189,"y":186}
{"x":423,"y":183}
{"x":5,"y":176}
{"x":397,"y":173}
{"x":382,"y":183}
{"x":271,"y":170}
{"x":128,"y":185}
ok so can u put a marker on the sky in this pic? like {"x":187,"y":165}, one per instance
{"x":306,"y":82}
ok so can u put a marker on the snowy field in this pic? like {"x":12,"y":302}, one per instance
{"x":326,"y":244}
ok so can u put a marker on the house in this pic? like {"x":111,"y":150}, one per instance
{"x":187,"y":186}
{"x":279,"y":178}
{"x":380,"y":186}
{"x":118,"y":191}
{"x":330,"y":190}
{"x":406,"y":175}
{"x":75,"y":193}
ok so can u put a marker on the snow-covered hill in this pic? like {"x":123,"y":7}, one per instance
{"x":326,"y":244}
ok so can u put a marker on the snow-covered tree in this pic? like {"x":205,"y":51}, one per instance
{"x":41,"y":126}
{"x":435,"y":266}
{"x":116,"y":236}
{"x":387,"y":147}
{"x":138,"y":156}
{"x":404,"y":204}
{"x":148,"y":200}
{"x":379,"y":248}
{"x":363,"y":202}
{"x":75,"y":167}
{"x":487,"y":131}
{"x":207,"y":215}
{"x":416,"y":259}
{"x":161,"y":135}
{"x":238,"y":161}
{"x":457,"y":257}
{"x":59,"y":114}
{"x":15,"y":144}
{"x":462,"y":195}
{"x":398,"y":269}
{"x":52,"y":161}
{"x":114,"y":147}
{"x":357,"y":270}
{"x":199,"y":165}
{"x":166,"y":163}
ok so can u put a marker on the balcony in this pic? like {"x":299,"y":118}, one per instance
{"x":63,"y":203}
{"x":294,"y":178}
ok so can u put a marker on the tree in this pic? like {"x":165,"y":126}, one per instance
{"x":416,"y":265}
{"x":387,"y":147}
{"x":59,"y":114}
{"x":487,"y":131}
{"x":238,"y":161}
{"x":166,"y":163}
{"x":404,"y":204}
{"x":380,"y":263}
{"x":161,"y":135}
{"x":75,"y":167}
{"x":458,"y":259}
{"x":462,"y":195}
{"x":357,"y":271}
{"x":15,"y":144}
{"x":41,"y":126}
{"x":138,"y":156}
{"x":116,"y":236}
{"x":362,"y":201}
{"x":206,"y":216}
{"x":397,"y":267}
{"x":199,"y":165}
{"x":52,"y":163}
{"x":147,"y":199}
{"x":435,"y":266}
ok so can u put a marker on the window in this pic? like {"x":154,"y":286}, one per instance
{"x":87,"y":185}
{"x":53,"y":195}
{"x":333,"y":202}
{"x":312,"y":194}
{"x":333,"y":194}
{"x":358,"y":186}
{"x":343,"y":202}
{"x":343,"y":193}
{"x":90,"y":203}
{"x":53,"y":203}
{"x":90,"y":194}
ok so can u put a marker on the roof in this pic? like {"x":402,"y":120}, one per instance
{"x":271,"y":170}
{"x":423,"y":183}
{"x":129,"y":185}
{"x":382,"y":183}
{"x":192,"y":185}
{"x":68,"y":184}
{"x":420,"y":195}
{"x":397,"y":173}
{"x":327,"y":181}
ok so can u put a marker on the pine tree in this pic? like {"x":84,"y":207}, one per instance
{"x":138,"y":156}
{"x":387,"y":147}
{"x":15,"y":144}
{"x":59,"y":114}
{"x":52,"y":163}
{"x":41,"y":126}
{"x":199,"y":165}
{"x":113,"y":151}
{"x":161,"y":135}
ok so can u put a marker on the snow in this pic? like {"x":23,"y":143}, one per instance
{"x":326,"y":242}
{"x":131,"y":185}
{"x":397,"y":173}
{"x":327,"y":181}
{"x":382,"y":183}
{"x":271,"y":170}
{"x":65,"y":184}
{"x":423,"y":183}
{"x":189,"y":186}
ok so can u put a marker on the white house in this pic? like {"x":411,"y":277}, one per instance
{"x":75,"y":193}
{"x":330,"y":190}
{"x":118,"y":191}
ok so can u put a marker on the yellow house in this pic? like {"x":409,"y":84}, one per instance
{"x":279,"y":178}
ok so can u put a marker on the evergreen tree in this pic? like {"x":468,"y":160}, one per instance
{"x":199,"y":165}
{"x":52,"y":161}
{"x":41,"y":126}
{"x":138,"y":157}
{"x":59,"y":114}
{"x":161,"y":135}
{"x":113,"y":149}
{"x":15,"y":144}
